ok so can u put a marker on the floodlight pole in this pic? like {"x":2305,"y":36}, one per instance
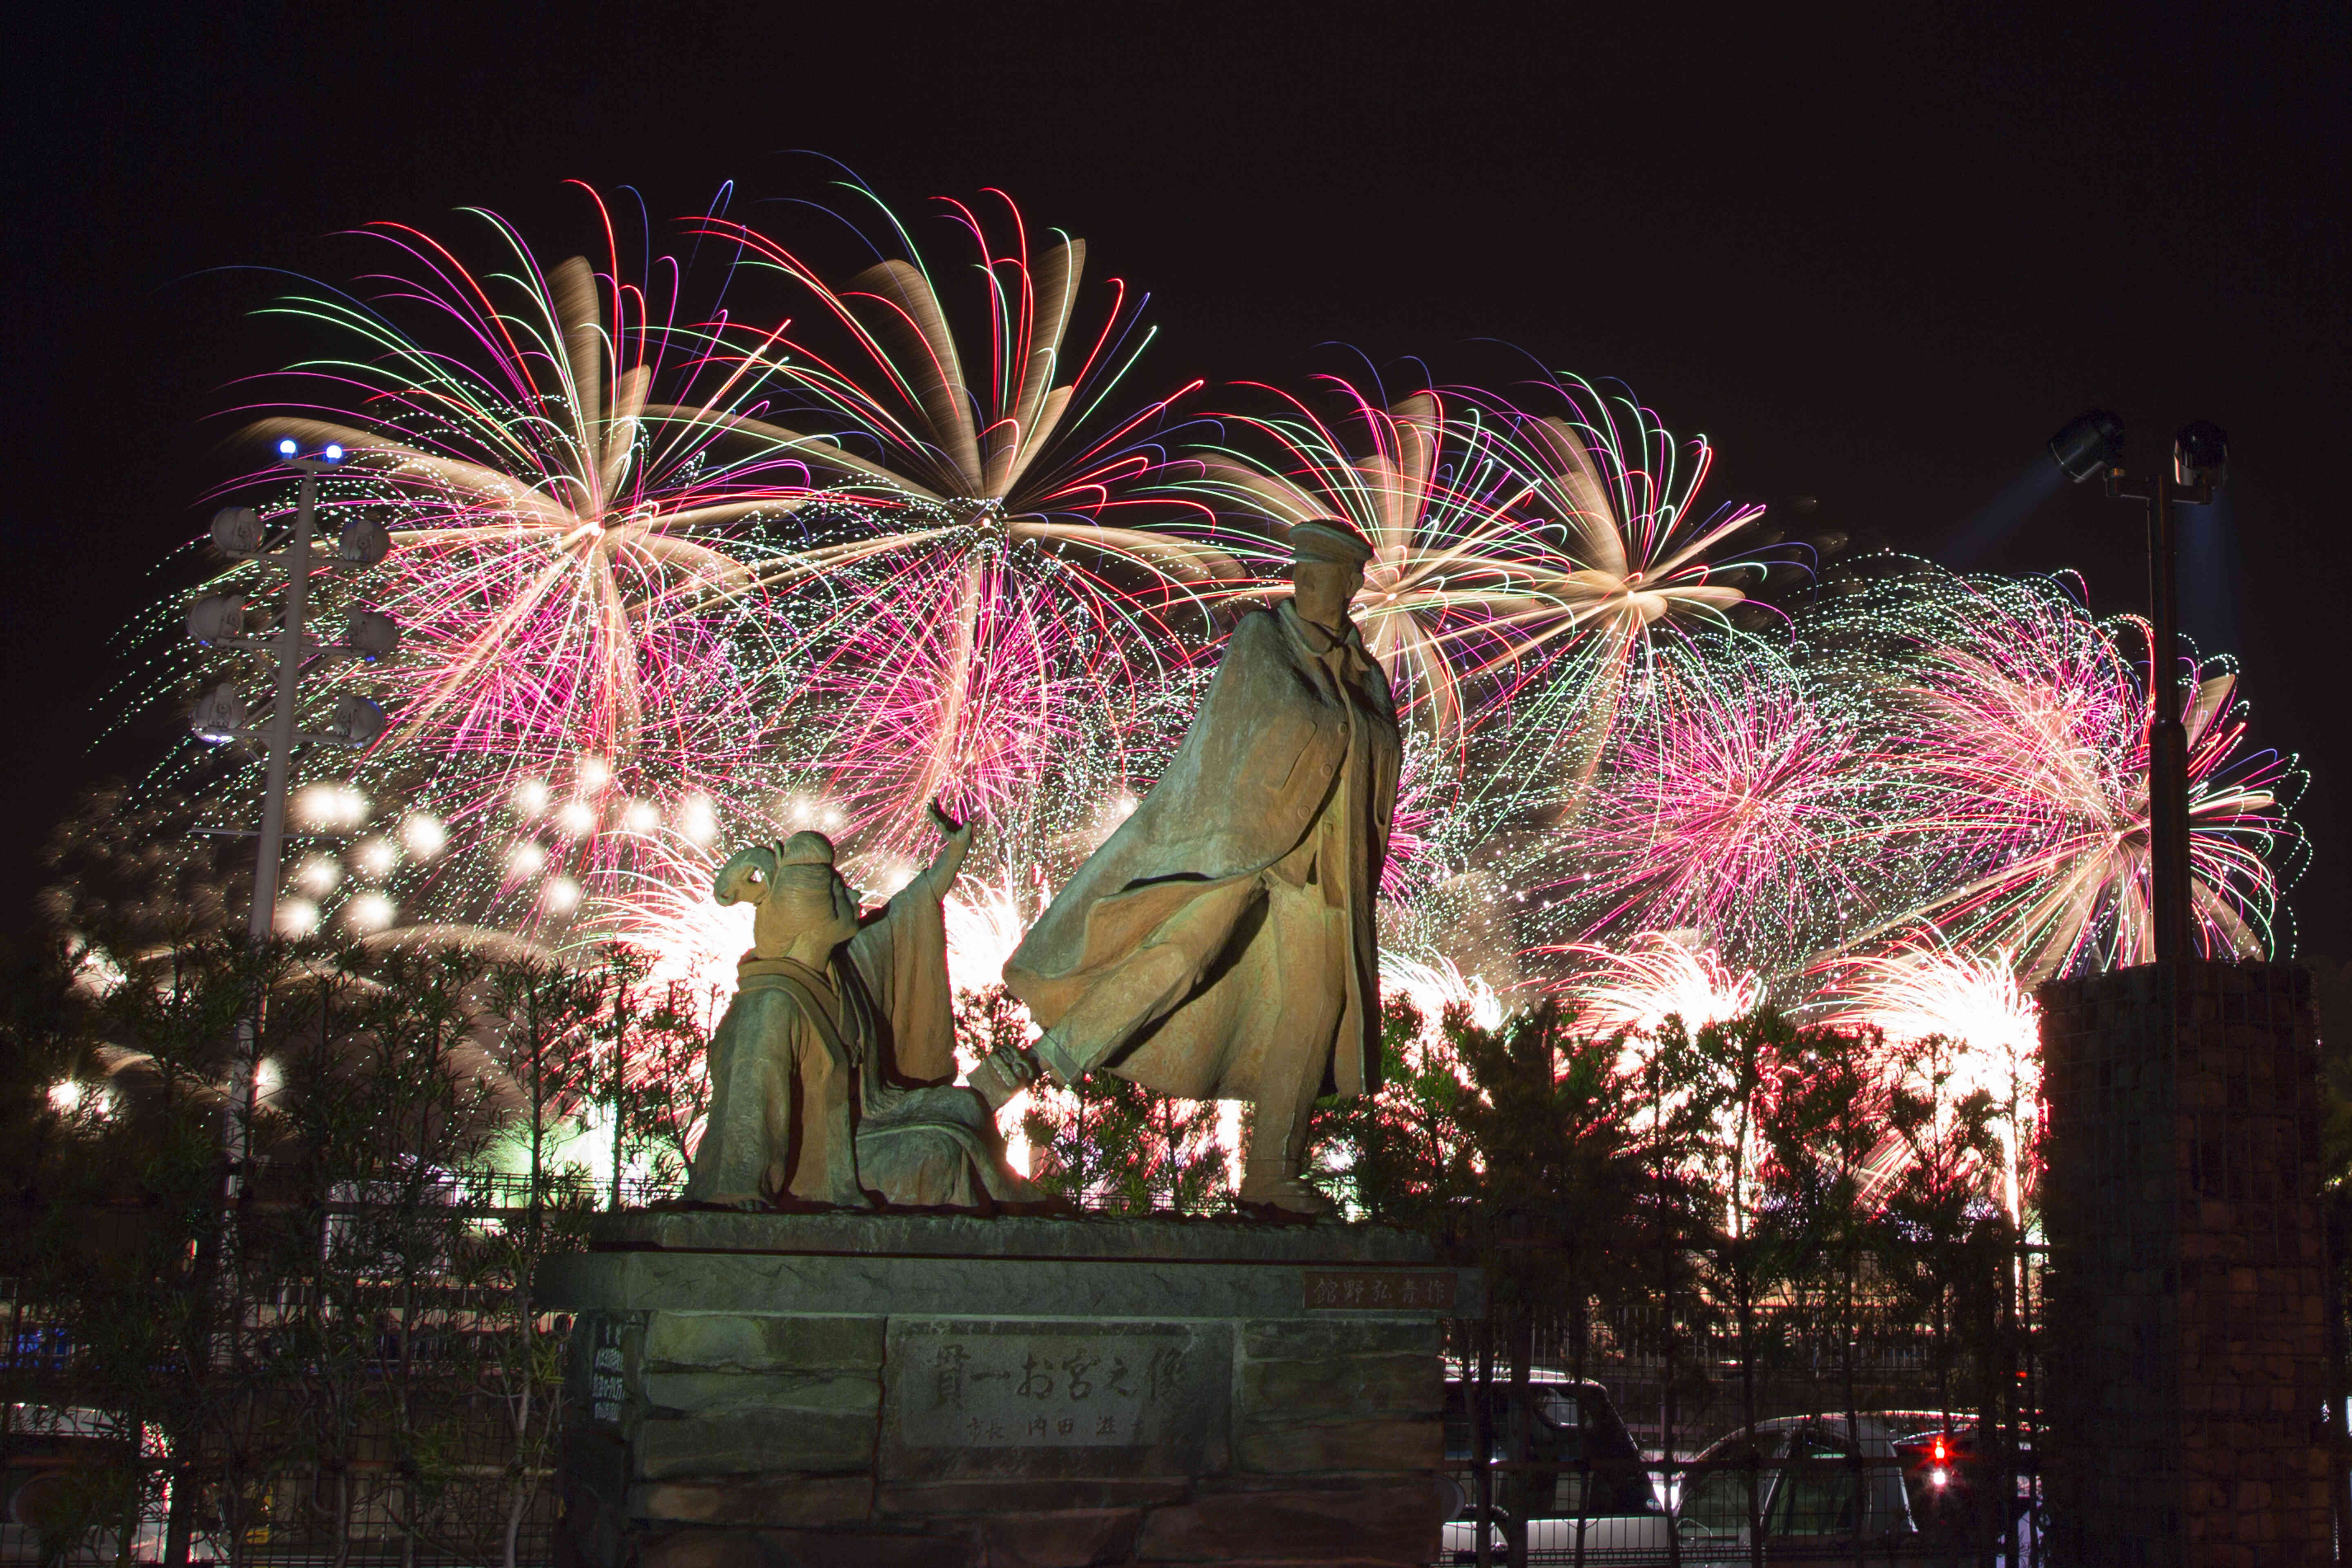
{"x":2168,"y":741}
{"x":262,"y":923}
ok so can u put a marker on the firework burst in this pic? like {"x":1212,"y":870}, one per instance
{"x":552,"y":546}
{"x":1989,"y":1025}
{"x":1733,"y":801}
{"x":1620,"y":495}
{"x":978,"y":620}
{"x":1437,"y":985}
{"x":676,"y":574}
{"x":2020,"y":726}
{"x":1657,"y":975}
{"x":1625,"y":496}
{"x":1010,"y":683}
{"x":1457,"y":582}
{"x":582,"y":643}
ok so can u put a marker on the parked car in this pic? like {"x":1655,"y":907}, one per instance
{"x":1796,"y":1475}
{"x":1597,"y":1488}
{"x":1962,"y":1495}
{"x":52,"y":1455}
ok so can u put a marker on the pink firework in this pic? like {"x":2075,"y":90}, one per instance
{"x":1007,"y":436}
{"x":958,"y":678}
{"x":2022,"y":739}
{"x":1457,"y":582}
{"x":569,"y":571}
{"x":1732,"y":802}
{"x":1425,"y":789}
{"x":1621,"y":496}
{"x":967,"y":619}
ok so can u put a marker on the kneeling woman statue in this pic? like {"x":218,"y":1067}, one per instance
{"x":832,"y":1074}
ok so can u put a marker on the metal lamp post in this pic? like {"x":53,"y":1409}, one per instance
{"x":2090,"y":445}
{"x":2181,"y":1126}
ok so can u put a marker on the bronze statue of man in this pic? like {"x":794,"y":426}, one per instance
{"x":832,"y":1074}
{"x":1223,"y":944}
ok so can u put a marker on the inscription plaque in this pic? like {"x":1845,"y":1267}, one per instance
{"x":1042,"y":1390}
{"x":1379,"y":1290}
{"x":607,"y":1392}
{"x":994,"y":1397}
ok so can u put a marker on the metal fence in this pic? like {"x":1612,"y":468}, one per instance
{"x":1826,"y":1428}
{"x":465,"y":1504}
{"x":375,"y":1507}
{"x":372,"y":1511}
{"x":424,"y":1473}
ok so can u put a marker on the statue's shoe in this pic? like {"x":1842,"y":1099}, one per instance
{"x":1287,"y":1193}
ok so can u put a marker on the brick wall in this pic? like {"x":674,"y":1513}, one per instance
{"x":2186,"y":1351}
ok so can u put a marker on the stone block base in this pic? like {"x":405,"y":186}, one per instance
{"x":772,"y":1391}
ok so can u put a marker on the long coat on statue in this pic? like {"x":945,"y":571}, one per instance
{"x":1146,"y":958}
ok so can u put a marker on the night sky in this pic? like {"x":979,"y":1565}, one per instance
{"x":1878,"y":260}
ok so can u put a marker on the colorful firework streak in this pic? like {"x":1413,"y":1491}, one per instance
{"x":1520,"y":563}
{"x":1620,"y":495}
{"x":1007,"y":681}
{"x":1733,"y":800}
{"x":556,"y":547}
{"x":2017,"y":726}
{"x":1457,"y":584}
{"x":1623,"y":494}
{"x":582,"y":641}
{"x":627,"y":614}
{"x":987,"y":635}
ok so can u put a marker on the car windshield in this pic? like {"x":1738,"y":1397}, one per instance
{"x":1817,"y":1494}
{"x":1600,"y":1470}
{"x":1556,"y":1433}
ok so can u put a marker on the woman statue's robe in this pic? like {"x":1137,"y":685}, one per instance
{"x":1164,"y":960}
{"x":837,"y":1087}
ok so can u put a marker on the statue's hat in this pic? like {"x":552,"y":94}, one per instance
{"x":805,"y":848}
{"x":1328,"y":539}
{"x":805,"y":861}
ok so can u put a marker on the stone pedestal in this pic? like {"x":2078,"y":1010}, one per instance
{"x":759,"y":1391}
{"x":2185,"y":1349}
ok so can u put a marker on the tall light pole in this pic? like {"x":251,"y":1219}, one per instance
{"x":219,"y":619}
{"x":2200,"y":464}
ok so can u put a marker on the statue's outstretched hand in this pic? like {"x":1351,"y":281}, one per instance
{"x":1003,"y":1073}
{"x":949,"y":862}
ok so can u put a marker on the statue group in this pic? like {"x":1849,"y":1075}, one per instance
{"x":1220,"y":944}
